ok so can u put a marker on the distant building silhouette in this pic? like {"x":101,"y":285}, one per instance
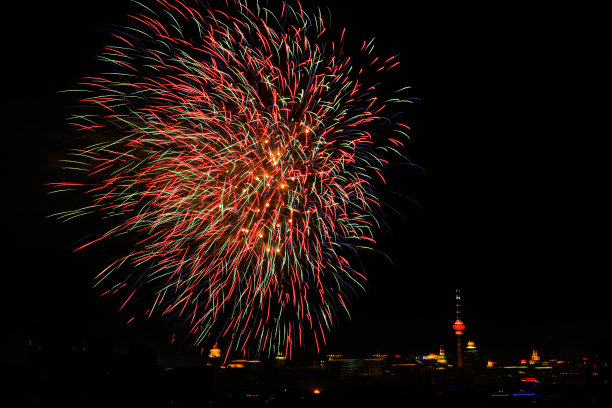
{"x":598,"y":370}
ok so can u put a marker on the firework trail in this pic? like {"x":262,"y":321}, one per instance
{"x":237,"y":149}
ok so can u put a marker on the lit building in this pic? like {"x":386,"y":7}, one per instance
{"x":279,"y":360}
{"x":534,"y":357}
{"x":215,"y":352}
{"x":350,"y":368}
{"x":250,"y":364}
{"x":442,"y":357}
{"x":459,"y":327}
{"x":214,"y":357}
{"x":471,"y":358}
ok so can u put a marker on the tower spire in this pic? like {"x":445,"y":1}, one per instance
{"x":458,"y":303}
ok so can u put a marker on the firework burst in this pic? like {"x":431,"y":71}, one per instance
{"x":237,"y":149}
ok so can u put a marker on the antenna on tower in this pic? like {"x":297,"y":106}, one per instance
{"x":458,"y":301}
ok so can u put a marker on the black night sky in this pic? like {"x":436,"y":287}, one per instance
{"x":506,"y":200}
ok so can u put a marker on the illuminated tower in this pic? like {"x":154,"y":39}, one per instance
{"x":459,"y":327}
{"x":534,"y":356}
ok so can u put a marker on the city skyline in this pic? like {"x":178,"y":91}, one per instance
{"x":504,"y":200}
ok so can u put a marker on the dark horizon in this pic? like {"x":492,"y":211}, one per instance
{"x":505,"y":201}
